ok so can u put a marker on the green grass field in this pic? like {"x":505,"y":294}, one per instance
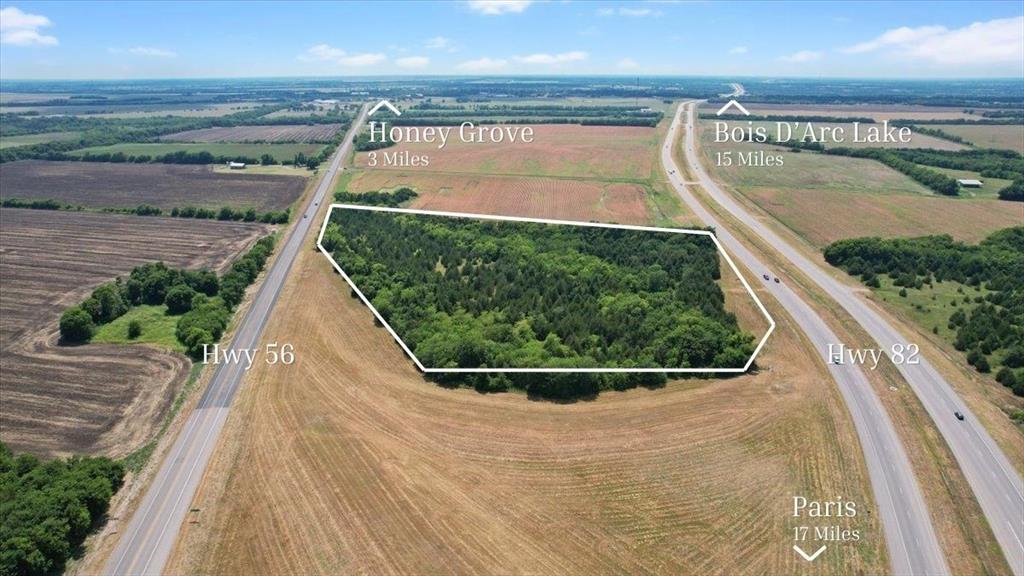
{"x":930,"y":306}
{"x":29,"y":139}
{"x":157,"y":328}
{"x":279,"y":151}
{"x":990,"y":188}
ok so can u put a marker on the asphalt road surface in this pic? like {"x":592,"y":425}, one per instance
{"x":146,"y":543}
{"x":996,"y":484}
{"x":910,"y":537}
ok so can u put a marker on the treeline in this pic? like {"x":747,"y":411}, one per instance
{"x":936,"y":132}
{"x":203,"y":301}
{"x":989,"y":328}
{"x":378,"y":198}
{"x":427,"y":114}
{"x":224,"y":213}
{"x":48,"y":508}
{"x":362,"y":143}
{"x":465,"y":293}
{"x":788,"y":118}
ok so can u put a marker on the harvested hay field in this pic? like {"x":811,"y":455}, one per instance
{"x":564,"y":150}
{"x":388,"y":473}
{"x":95,"y":398}
{"x":1005,"y":136}
{"x":106,"y":185}
{"x":822,"y":216}
{"x":300,"y":133}
{"x":563,"y":199}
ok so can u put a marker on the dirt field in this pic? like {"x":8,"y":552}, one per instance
{"x":827,"y":198}
{"x":94,"y":399}
{"x":315,"y":133}
{"x":369,"y":469}
{"x":506,"y":195}
{"x":102,"y":185}
{"x":1009,"y":137}
{"x":593,"y":152}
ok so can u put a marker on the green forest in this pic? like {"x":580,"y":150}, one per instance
{"x":473,"y":293}
{"x":989,"y":328}
{"x":48,"y":508}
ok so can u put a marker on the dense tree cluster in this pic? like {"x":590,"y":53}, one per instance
{"x":469,"y":293}
{"x":224,"y":213}
{"x":48,"y":508}
{"x":362,"y":143}
{"x":203,"y":302}
{"x":378,"y":198}
{"x":987,"y":327}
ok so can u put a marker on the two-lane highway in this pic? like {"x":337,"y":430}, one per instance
{"x":913,"y":546}
{"x":996,"y":484}
{"x":145,"y":545}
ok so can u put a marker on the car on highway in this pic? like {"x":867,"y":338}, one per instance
{"x":776,"y":279}
{"x":959,"y":415}
{"x":766,"y":277}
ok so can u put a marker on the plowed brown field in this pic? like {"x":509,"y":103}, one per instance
{"x":350,"y":462}
{"x":514,"y":196}
{"x":594,"y":152}
{"x":300,"y":133}
{"x":96,"y":398}
{"x":105,"y":185}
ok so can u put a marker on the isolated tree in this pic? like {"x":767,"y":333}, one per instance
{"x":76,"y":325}
{"x":134,"y":329}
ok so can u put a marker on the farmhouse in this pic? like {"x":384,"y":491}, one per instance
{"x":969,"y":183}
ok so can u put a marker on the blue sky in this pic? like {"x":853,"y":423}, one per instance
{"x":84,"y":40}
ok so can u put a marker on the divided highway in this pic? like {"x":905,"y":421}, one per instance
{"x":996,"y":484}
{"x":913,"y":546}
{"x":145,"y":545}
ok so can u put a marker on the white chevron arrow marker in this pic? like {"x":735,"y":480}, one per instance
{"x":804,"y":554}
{"x":729,"y":104}
{"x":385,"y":104}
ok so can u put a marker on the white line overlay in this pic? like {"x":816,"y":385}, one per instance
{"x":422,"y":368}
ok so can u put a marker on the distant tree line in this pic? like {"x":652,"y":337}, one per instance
{"x":989,"y":328}
{"x":378,"y":198}
{"x":203,"y":301}
{"x":224,"y":213}
{"x":363,"y":144}
{"x":48,"y":508}
{"x":789,"y":118}
{"x":110,"y":131}
{"x":469,"y":293}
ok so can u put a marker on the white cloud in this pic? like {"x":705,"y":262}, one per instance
{"x":413,"y":62}
{"x":802,"y":56}
{"x":152,"y":52}
{"x":323,"y":52}
{"x":367,"y":59}
{"x":902,"y":35}
{"x":328,"y":53}
{"x":999,"y":41}
{"x":738,"y":50}
{"x":22,"y":29}
{"x":439,"y":43}
{"x":628,"y":12}
{"x":496,"y":7}
{"x":483,"y":65}
{"x":628,"y":64}
{"x":574,"y":56}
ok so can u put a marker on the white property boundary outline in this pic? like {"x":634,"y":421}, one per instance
{"x":424,"y":369}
